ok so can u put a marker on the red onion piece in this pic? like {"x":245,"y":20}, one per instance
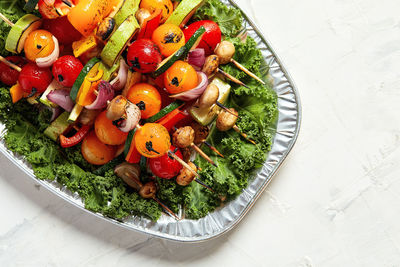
{"x":197,"y":58}
{"x":45,"y":62}
{"x":61,"y":97}
{"x":119,"y":82}
{"x":105,"y":93}
{"x":195,"y":92}
{"x":133,"y":117}
{"x":55,"y":113}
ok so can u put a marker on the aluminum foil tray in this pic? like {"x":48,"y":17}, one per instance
{"x":227,"y":217}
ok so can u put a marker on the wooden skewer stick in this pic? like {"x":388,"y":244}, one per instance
{"x":244,"y":69}
{"x":68,"y":3}
{"x":203,"y":184}
{"x":212,"y":148}
{"x":243,"y":134}
{"x":204,"y":155}
{"x":233,"y":79}
{"x":6,"y":20}
{"x":169,"y":211}
{"x":8,"y":63}
{"x":225,"y":108}
{"x":184,"y":164}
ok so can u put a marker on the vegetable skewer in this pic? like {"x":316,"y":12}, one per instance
{"x":211,"y":66}
{"x":184,"y":137}
{"x":210,"y":96}
{"x":200,"y":135}
{"x":191,"y":170}
{"x":226,"y":121}
{"x":225,"y":51}
{"x":130,"y":174}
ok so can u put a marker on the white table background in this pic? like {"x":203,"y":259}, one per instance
{"x":335,"y":201}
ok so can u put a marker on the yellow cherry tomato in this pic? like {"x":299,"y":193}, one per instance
{"x":180,"y":77}
{"x":39,"y":44}
{"x":165,"y":5}
{"x":146,"y":97}
{"x":169,"y":38}
{"x":95,"y":152}
{"x":152,"y":140}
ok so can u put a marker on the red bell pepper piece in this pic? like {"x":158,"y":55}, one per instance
{"x":76,"y":139}
{"x":133,"y":155}
{"x":150,"y":25}
{"x":173,"y":118}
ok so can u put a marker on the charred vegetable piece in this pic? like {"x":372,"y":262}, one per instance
{"x":144,"y":56}
{"x":106,"y":28}
{"x":119,"y":40}
{"x":76,"y":139}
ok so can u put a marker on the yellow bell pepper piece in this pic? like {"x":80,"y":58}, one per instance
{"x":86,"y":94}
{"x":16,"y":93}
{"x":83,"y":45}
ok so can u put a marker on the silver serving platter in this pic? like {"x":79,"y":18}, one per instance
{"x":227,"y":217}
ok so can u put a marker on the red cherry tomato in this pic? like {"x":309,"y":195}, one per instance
{"x":210,"y":39}
{"x":8,"y":75}
{"x":66,"y":69}
{"x":62,"y":29}
{"x":34,"y":79}
{"x":144,"y":56}
{"x":165,"y":166}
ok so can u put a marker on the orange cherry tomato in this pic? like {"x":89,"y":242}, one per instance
{"x":180,"y":77}
{"x":107,"y":132}
{"x":87,"y":14}
{"x":169,"y":38}
{"x":152,"y":140}
{"x":39,"y":44}
{"x":165,"y":5}
{"x":95,"y":152}
{"x":146,"y":97}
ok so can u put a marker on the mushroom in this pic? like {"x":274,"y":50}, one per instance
{"x":226,"y":120}
{"x":148,"y":190}
{"x":117,"y":108}
{"x":200,"y":132}
{"x":141,"y":15}
{"x":225,"y":51}
{"x":185,"y":176}
{"x":209,"y":96}
{"x":184,"y":137}
{"x":88,"y":116}
{"x":211,"y":65}
{"x":130,"y":173}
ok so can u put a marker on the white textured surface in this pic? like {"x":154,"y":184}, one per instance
{"x":335,"y":202}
